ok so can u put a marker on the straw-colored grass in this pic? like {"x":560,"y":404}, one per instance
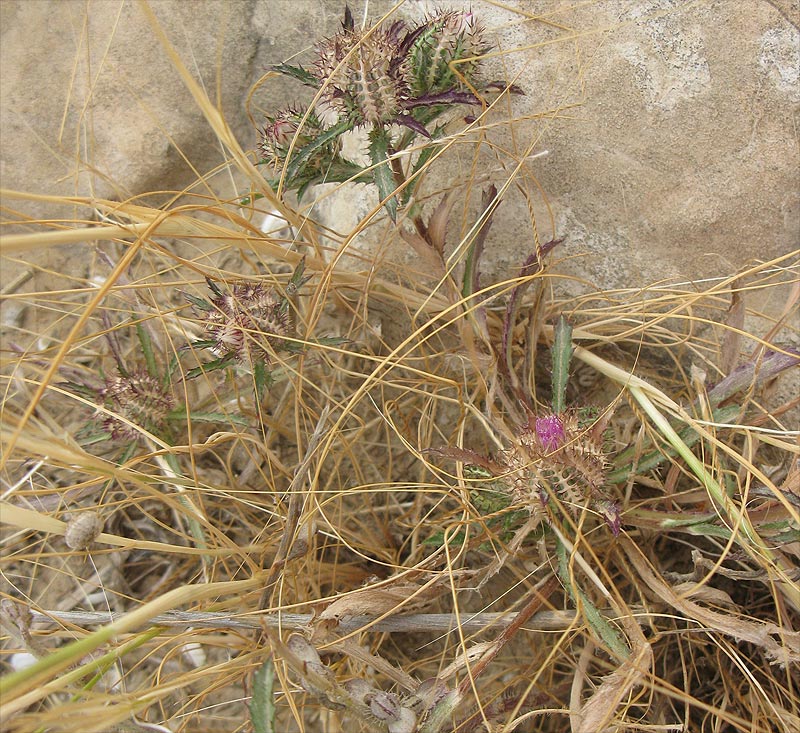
{"x":327,"y":506}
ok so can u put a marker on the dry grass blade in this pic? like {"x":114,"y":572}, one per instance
{"x":267,"y":419}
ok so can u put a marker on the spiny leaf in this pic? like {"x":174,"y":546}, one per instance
{"x":597,"y":622}
{"x":180,"y":414}
{"x":464,"y":455}
{"x":211,"y":366}
{"x":172,"y":368}
{"x":562,"y":353}
{"x":652,"y":459}
{"x":328,"y":341}
{"x":247,"y":200}
{"x":299,"y":157}
{"x":262,"y":705}
{"x":147,"y":350}
{"x":424,"y":156}
{"x":200,"y":303}
{"x":297,"y":72}
{"x":382,"y":172}
{"x":262,"y":378}
{"x":297,"y":279}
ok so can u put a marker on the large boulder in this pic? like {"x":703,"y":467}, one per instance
{"x":670,"y":128}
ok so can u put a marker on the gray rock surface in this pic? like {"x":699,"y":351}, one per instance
{"x":670,"y":126}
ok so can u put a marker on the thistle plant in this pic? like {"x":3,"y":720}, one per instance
{"x":560,"y":453}
{"x":248,"y":324}
{"x":134,"y":399}
{"x":557,"y":455}
{"x":309,"y":508}
{"x":395,"y":75}
{"x":291,"y":129}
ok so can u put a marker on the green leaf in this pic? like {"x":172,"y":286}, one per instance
{"x":328,"y":341}
{"x":297,"y":280}
{"x":299,"y":158}
{"x":437,"y":539}
{"x":262,"y":704}
{"x":211,"y":366}
{"x":299,"y":73}
{"x":424,"y":156}
{"x":263,"y":379}
{"x":200,"y":303}
{"x":147,"y":350}
{"x":90,"y":393}
{"x":562,"y":353}
{"x":597,"y":622}
{"x":303,"y":187}
{"x":180,"y":414}
{"x":172,"y":368}
{"x":382,"y":171}
{"x":247,"y":200}
{"x":441,"y":715}
{"x":652,"y":459}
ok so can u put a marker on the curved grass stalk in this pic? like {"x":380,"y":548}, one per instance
{"x":30,"y":520}
{"x":647,"y":396}
{"x":32,"y":679}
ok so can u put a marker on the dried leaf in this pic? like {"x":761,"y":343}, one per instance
{"x":706,"y":593}
{"x":430,"y":259}
{"x":396,"y":594}
{"x":378,"y":600}
{"x":731,"y":341}
{"x":615,"y":690}
{"x":437,"y":225}
{"x":754,"y":373}
{"x":471,"y":266}
{"x":782,"y":646}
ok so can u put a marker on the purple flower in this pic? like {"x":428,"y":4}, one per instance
{"x":550,"y":432}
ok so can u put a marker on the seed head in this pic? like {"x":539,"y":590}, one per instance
{"x":82,"y":530}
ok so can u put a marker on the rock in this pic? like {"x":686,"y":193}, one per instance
{"x":669,"y":127}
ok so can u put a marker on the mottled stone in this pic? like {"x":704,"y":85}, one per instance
{"x":670,"y":127}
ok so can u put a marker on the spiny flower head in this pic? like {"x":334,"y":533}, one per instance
{"x":249,"y":322}
{"x":445,"y":37}
{"x":562,"y":453}
{"x":293,"y":125}
{"x":365,"y":75}
{"x":140,"y":398}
